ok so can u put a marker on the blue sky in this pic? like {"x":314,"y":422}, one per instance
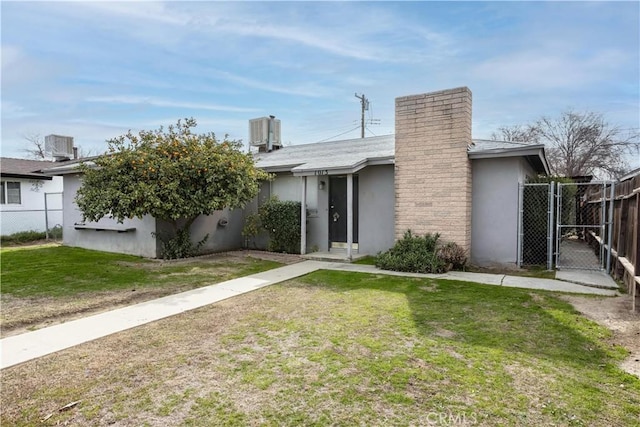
{"x":94,"y":70}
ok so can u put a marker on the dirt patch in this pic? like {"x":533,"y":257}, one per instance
{"x":615,"y":314}
{"x":264,"y":255}
{"x":18,"y":314}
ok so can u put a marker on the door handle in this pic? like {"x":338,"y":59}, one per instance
{"x":336,"y":216}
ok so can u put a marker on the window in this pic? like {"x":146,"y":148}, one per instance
{"x":10,"y":193}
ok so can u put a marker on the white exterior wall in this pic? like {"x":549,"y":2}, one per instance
{"x":30,"y":214}
{"x":139,"y":242}
{"x":494,"y":223}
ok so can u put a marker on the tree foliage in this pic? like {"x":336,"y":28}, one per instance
{"x":174,"y":175}
{"x":577,"y":143}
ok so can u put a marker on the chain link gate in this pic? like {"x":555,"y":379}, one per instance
{"x":582,"y":226}
{"x":565,"y":224}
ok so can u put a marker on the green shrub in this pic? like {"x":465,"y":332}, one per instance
{"x":179,"y":245}
{"x":413,"y":254}
{"x":281,"y":219}
{"x":422,"y":255}
{"x":24,"y":237}
{"x":251,"y":229}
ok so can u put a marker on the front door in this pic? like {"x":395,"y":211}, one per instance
{"x":338,"y":211}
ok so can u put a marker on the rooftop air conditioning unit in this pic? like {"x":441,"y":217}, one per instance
{"x":59,"y":147}
{"x":264,"y":133}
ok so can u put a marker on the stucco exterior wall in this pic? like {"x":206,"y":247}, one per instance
{"x":432,"y":169}
{"x":139,"y":242}
{"x":223,"y":227}
{"x":30,"y":213}
{"x":376,"y":209}
{"x":495,"y":210}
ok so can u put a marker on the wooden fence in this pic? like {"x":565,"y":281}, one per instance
{"x":625,"y":233}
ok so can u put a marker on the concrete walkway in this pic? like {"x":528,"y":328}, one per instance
{"x":31,"y":345}
{"x":491,"y":279}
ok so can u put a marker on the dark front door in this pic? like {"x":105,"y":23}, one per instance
{"x":338,"y":209}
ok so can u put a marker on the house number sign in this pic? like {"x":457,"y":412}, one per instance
{"x":321,"y":172}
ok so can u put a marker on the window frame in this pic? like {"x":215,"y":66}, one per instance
{"x":4,"y":192}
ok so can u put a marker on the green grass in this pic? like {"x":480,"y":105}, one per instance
{"x":531,"y":271}
{"x":367,"y":260}
{"x":64,"y":271}
{"x":341,"y":348}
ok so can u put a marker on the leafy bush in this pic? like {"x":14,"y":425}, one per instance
{"x":31,"y":236}
{"x":452,"y":255}
{"x":413,"y":254}
{"x":24,"y":237}
{"x":180,"y":245}
{"x":251,"y":229}
{"x":426,"y":254}
{"x":281,"y":219}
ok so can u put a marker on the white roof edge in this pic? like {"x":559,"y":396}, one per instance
{"x":530,"y":150}
{"x":65,"y":169}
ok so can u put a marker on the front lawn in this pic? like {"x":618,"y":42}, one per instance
{"x":50,"y":282}
{"x":339,"y":348}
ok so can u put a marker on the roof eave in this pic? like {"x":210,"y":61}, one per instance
{"x":531,"y":153}
{"x":25,"y":176}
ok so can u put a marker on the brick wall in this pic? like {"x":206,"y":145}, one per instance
{"x":432,"y":170}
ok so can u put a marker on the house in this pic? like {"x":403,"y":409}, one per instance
{"x":431,"y":176}
{"x":29,"y":199}
{"x":360,"y":195}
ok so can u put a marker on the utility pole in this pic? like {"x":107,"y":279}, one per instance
{"x":364,"y":102}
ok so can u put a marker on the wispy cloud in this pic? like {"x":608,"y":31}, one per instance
{"x":534,"y":70}
{"x":309,"y":90}
{"x":165,"y":103}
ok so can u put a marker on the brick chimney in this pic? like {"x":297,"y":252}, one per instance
{"x":432,"y":170}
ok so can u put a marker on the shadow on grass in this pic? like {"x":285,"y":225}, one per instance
{"x":505,"y":319}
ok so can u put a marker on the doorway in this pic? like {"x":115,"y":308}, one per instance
{"x":338,"y":211}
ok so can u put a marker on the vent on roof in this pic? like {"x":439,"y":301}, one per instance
{"x":59,"y":147}
{"x":264,"y":133}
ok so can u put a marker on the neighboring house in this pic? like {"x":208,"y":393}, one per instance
{"x":360,"y":195}
{"x":22,"y":196}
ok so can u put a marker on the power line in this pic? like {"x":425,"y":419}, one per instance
{"x":340,"y":134}
{"x":333,"y":129}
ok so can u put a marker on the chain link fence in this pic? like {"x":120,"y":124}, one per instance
{"x":536,"y":225}
{"x":47,"y":220}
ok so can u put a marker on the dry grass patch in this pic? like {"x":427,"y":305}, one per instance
{"x":337,"y":348}
{"x":40,"y":289}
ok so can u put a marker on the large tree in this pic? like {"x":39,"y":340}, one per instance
{"x":174,"y":175}
{"x":577,"y":143}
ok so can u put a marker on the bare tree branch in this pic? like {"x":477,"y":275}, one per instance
{"x":517,"y":133}
{"x":578,"y":143}
{"x":36,"y":147}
